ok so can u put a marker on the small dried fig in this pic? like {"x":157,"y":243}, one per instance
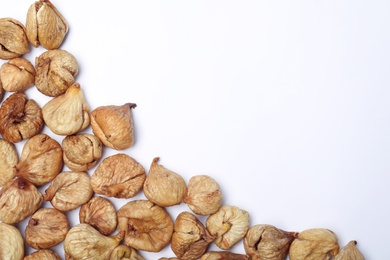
{"x":41,"y":160}
{"x":20,"y":118}
{"x":164,"y":187}
{"x":67,"y":114}
{"x":190,"y":239}
{"x":8,"y":160}
{"x":100,"y":213}
{"x":114,"y":125}
{"x":47,"y":227}
{"x":123,"y":252}
{"x":17,"y":74}
{"x":43,"y":254}
{"x":146,"y":225}
{"x":314,"y":244}
{"x":69,"y":190}
{"x":223,"y":255}
{"x":55,"y":72}
{"x":11,"y":242}
{"x":349,"y":252}
{"x":266,"y":242}
{"x":229,"y":225}
{"x":203,"y":195}
{"x":118,"y":176}
{"x":19,"y":199}
{"x":13,"y":39}
{"x":85,"y":242}
{"x":81,"y":151}
{"x":45,"y":25}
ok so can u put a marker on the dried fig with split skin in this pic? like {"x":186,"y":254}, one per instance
{"x":164,"y":187}
{"x":81,"y":151}
{"x":190,"y":239}
{"x":8,"y":160}
{"x":114,"y":125}
{"x":203,"y":195}
{"x":85,"y":242}
{"x":229,"y":225}
{"x":146,"y":225}
{"x":67,"y":114}
{"x":17,"y":74}
{"x":314,"y":244}
{"x":126,"y":253}
{"x":55,"y":72}
{"x":69,"y":190}
{"x":11,"y":242}
{"x":43,"y":254}
{"x":20,"y":118}
{"x":223,"y":255}
{"x":19,"y":199}
{"x":100,"y":213}
{"x":46,"y":228}
{"x":266,"y":242}
{"x":118,"y":176}
{"x":349,"y":252}
{"x":45,"y":25}
{"x":41,"y":160}
{"x":13,"y":39}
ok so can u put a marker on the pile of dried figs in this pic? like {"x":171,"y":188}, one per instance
{"x":93,"y":182}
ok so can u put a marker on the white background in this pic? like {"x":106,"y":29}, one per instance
{"x":285,"y":104}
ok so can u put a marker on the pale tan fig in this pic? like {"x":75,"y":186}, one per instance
{"x":45,"y":25}
{"x":13,"y":39}
{"x":100,"y":213}
{"x":69,"y":190}
{"x":223,"y":255}
{"x":85,"y":242}
{"x":118,"y":176}
{"x":67,"y":114}
{"x":81,"y":151}
{"x":40,"y":161}
{"x":124,"y":252}
{"x":314,"y":244}
{"x":55,"y":72}
{"x":17,"y":74}
{"x":229,"y":225}
{"x":349,"y":252}
{"x":46,"y":228}
{"x":11,"y":242}
{"x":43,"y":254}
{"x":266,"y":242}
{"x":20,"y":118}
{"x":114,"y":125}
{"x":164,"y":187}
{"x":190,"y":239}
{"x":19,"y":199}
{"x":146,"y":225}
{"x":8,"y":160}
{"x":203,"y":195}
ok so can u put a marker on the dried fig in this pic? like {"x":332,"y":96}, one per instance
{"x":349,"y":252}
{"x":146,"y":225}
{"x":164,"y":187}
{"x":125,"y":253}
{"x":69,"y":190}
{"x":11,"y":242}
{"x":8,"y":160}
{"x":118,"y":176}
{"x":46,"y":228}
{"x":13,"y":39}
{"x":20,"y":118}
{"x":229,"y":225}
{"x":223,"y":255}
{"x":17,"y":74}
{"x":43,"y":254}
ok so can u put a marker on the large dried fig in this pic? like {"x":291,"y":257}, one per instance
{"x":20,"y":118}
{"x":17,"y":74}
{"x":349,"y":252}
{"x":8,"y":160}
{"x":13,"y":39}
{"x":146,"y":225}
{"x":118,"y":176}
{"x":43,"y":254}
{"x":164,"y":187}
{"x":11,"y":242}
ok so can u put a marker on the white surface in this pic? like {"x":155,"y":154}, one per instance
{"x":285,"y":104}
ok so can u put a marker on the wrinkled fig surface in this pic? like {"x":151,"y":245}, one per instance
{"x":17,"y":74}
{"x":8,"y":160}
{"x":13,"y":39}
{"x":11,"y":242}
{"x":123,"y":252}
{"x":223,"y":255}
{"x":43,"y":254}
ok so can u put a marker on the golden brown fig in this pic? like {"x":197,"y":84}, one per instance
{"x":41,"y":160}
{"x":46,"y":228}
{"x":146,"y":225}
{"x":266,"y":242}
{"x":8,"y":160}
{"x":223,"y":255}
{"x":43,"y":254}
{"x":114,"y":125}
{"x":314,"y":244}
{"x":11,"y":242}
{"x":349,"y":252}
{"x":13,"y":39}
{"x":164,"y":187}
{"x":123,"y":252}
{"x":19,"y":199}
{"x":17,"y":74}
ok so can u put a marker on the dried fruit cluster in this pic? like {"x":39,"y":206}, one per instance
{"x":140,"y":224}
